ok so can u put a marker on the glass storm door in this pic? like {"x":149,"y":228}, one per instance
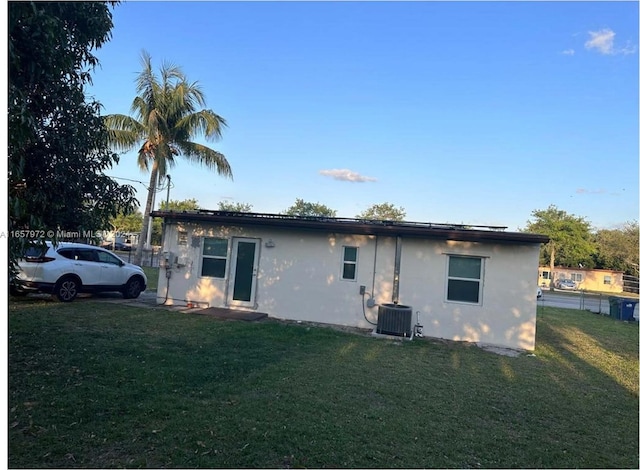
{"x":244,"y":272}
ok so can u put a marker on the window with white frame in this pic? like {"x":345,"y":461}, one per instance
{"x":546,"y":275}
{"x":464,"y":279}
{"x":576,"y":277}
{"x":349,"y":262}
{"x":214,"y":257}
{"x":607,"y":279}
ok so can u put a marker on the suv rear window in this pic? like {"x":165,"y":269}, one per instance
{"x":35,"y":252}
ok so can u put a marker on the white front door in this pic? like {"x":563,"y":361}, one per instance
{"x":244,"y":272}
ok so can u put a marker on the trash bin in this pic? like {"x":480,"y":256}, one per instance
{"x":627,"y":306}
{"x":614,"y":307}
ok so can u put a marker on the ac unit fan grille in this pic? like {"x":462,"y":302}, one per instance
{"x":394,"y":319}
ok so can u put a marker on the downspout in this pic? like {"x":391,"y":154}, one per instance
{"x":371,"y":301}
{"x":396,"y":270}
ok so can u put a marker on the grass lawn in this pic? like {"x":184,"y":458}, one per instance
{"x":152,"y":277}
{"x":93,"y":385}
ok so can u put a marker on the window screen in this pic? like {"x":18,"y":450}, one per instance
{"x":214,"y":257}
{"x":349,"y":262}
{"x":464,"y":279}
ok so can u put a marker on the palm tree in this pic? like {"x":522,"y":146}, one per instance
{"x":166,"y":118}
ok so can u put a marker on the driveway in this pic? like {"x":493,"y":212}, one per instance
{"x":146,"y":299}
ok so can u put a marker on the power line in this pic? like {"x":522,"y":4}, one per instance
{"x":158,"y":188}
{"x":127,"y":179}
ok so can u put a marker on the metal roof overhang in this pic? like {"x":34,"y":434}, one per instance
{"x":484,"y":234}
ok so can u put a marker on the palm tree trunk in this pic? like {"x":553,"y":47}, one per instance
{"x":137,"y":259}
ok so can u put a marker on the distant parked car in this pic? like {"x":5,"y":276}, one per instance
{"x":71,"y":268}
{"x":566,"y":284}
{"x":116,"y":246}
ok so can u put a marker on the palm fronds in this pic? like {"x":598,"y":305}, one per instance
{"x":167,"y":116}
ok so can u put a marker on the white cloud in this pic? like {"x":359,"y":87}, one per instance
{"x":628,"y":49}
{"x":347,"y":175}
{"x":568,"y":52}
{"x":602,"y":42}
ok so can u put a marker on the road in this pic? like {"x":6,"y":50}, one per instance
{"x":598,"y":303}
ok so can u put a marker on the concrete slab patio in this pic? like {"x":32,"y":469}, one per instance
{"x":149,"y":299}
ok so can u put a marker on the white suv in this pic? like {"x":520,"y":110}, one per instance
{"x":70,"y":268}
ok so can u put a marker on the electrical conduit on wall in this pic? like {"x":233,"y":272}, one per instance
{"x":396,"y":270}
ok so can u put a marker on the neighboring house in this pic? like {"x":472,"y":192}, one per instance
{"x":468,"y":284}
{"x":599,"y":280}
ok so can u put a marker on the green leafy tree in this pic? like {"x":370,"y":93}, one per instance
{"x":234,"y":206}
{"x":127,"y":222}
{"x":384,"y":211}
{"x":182,"y":205}
{"x":315,"y":209}
{"x":619,"y":249}
{"x":124,"y":223}
{"x":571,"y":241}
{"x":57,"y":143}
{"x":168,"y":113}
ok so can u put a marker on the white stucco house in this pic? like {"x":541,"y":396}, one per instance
{"x":462,"y":283}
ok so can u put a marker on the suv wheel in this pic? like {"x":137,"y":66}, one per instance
{"x":132,"y":288}
{"x":66,"y":289}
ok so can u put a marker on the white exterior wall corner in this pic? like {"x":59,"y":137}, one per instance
{"x":300,"y":279}
{"x":506,"y":315}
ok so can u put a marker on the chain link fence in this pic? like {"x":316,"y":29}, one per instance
{"x":631,"y":284}
{"x":150,"y":258}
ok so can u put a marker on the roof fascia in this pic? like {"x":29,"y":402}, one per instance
{"x":437,"y":231}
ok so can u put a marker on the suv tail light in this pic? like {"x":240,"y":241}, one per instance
{"x":41,"y":259}
{"x":37,"y":254}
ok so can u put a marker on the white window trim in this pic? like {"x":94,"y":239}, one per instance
{"x":355,"y":263}
{"x":203,"y":256}
{"x":467,"y":254}
{"x":479,"y":281}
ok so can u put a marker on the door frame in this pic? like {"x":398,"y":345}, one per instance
{"x":251,"y":303}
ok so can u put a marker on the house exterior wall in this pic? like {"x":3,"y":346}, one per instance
{"x":506,"y":314}
{"x":299,"y":277}
{"x":598,"y":280}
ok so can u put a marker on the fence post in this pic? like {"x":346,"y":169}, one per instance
{"x":152,"y":251}
{"x":600,"y":303}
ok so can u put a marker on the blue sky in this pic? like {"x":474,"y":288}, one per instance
{"x":460,"y":112}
